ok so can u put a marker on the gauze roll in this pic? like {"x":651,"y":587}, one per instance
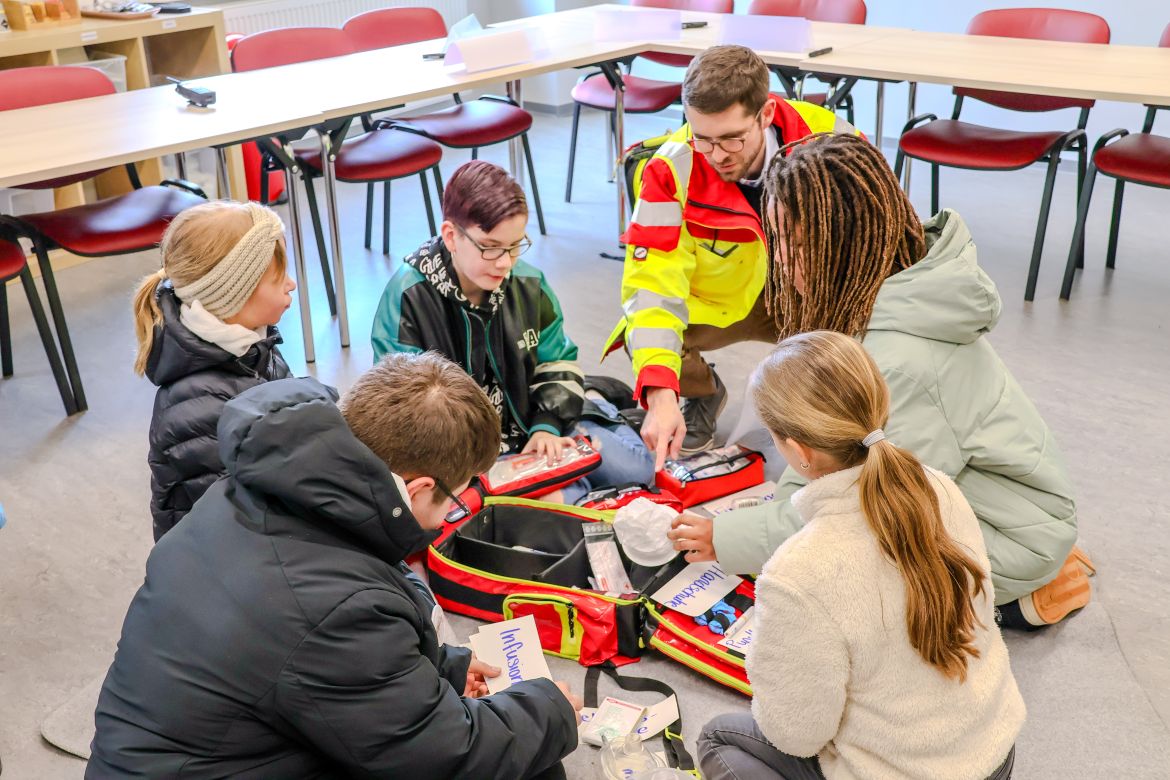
{"x":641,"y":527}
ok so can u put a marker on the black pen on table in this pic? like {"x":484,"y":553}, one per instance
{"x":819,"y":52}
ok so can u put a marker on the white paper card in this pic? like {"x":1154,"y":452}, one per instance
{"x":657,"y":717}
{"x":766,"y":33}
{"x":636,"y":24}
{"x":758,"y":494}
{"x":491,"y":50}
{"x":739,"y":635}
{"x":513,"y":646}
{"x":695,"y":589}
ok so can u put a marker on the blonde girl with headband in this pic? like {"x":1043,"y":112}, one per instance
{"x":875,"y":651}
{"x":206,"y":327}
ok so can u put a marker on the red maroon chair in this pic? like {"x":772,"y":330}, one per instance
{"x":840,"y":11}
{"x":1141,"y":158}
{"x":955,"y":144}
{"x":119,"y":225}
{"x":641,"y":95}
{"x":378,"y":155}
{"x":483,"y":122}
{"x":12,"y":264}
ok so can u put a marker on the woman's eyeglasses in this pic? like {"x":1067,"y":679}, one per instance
{"x":496,"y":252}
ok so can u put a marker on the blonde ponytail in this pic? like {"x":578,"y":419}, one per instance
{"x":823,"y":390}
{"x":191,"y":247}
{"x":147,"y":317}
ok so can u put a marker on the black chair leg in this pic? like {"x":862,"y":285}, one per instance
{"x":1082,"y":162}
{"x":898,"y":164}
{"x":438,"y":184}
{"x":369,"y":214}
{"x":426,"y":190}
{"x":572,"y":152}
{"x":1041,"y":227}
{"x":386,"y":217}
{"x":1115,"y":223}
{"x":68,"y":397}
{"x":532,"y":181}
{"x":849,"y":111}
{"x":475,"y":152}
{"x":263,"y":183}
{"x":933,"y":190}
{"x":1076,"y":250}
{"x":78,"y":395}
{"x":319,"y":233}
{"x":5,"y":333}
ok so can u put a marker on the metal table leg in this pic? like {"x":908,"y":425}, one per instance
{"x":221,"y":172}
{"x":327,"y":166}
{"x":880,"y":116}
{"x":514,"y":150}
{"x":619,"y":132}
{"x":910,"y":111}
{"x":292,"y":183}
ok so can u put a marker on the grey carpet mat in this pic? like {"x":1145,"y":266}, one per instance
{"x":70,"y":726}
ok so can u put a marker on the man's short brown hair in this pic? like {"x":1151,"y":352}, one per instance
{"x":424,"y":417}
{"x":722,"y":76}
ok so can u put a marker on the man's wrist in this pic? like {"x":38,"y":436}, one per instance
{"x":657,"y":396}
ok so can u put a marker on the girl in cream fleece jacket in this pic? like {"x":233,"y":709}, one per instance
{"x":875,"y":653}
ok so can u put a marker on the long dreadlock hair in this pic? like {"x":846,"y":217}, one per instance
{"x":849,"y":224}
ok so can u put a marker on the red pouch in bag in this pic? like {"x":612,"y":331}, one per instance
{"x":711,"y":474}
{"x":530,"y":475}
{"x":611,"y":498}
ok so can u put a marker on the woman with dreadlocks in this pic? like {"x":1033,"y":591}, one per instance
{"x":850,"y":255}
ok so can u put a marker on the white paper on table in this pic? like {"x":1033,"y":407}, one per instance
{"x":695,"y":589}
{"x":514,"y":647}
{"x":739,"y":634}
{"x":766,"y":33}
{"x":491,"y":50}
{"x":623,"y":23}
{"x":657,"y":718}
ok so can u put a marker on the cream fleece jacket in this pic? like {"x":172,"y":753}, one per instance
{"x":831,"y":664}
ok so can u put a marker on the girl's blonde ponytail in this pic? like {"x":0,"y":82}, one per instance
{"x":147,"y":316}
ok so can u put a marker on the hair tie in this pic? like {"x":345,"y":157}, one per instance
{"x":873,"y":437}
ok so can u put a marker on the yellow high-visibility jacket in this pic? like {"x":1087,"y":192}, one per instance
{"x":695,"y":250}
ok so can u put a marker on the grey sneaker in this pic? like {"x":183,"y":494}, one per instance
{"x":702,"y":415}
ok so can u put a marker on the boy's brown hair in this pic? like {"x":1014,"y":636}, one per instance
{"x":723,"y":76}
{"x":424,"y":417}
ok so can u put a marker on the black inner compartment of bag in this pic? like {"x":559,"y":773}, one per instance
{"x":555,"y":547}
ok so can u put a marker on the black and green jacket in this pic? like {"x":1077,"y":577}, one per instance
{"x":514,"y":345}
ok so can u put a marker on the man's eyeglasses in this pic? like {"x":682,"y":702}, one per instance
{"x":730,"y":145}
{"x":496,"y":252}
{"x":459,"y":503}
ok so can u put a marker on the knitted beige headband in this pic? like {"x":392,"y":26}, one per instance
{"x":226,"y":289}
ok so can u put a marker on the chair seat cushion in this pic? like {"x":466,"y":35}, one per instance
{"x":963,"y":145}
{"x":375,"y":156}
{"x":1139,"y":157}
{"x":643,"y":96}
{"x":474,"y":123}
{"x":125,"y":223}
{"x":11,"y":260}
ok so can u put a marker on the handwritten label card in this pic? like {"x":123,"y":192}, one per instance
{"x":657,"y":717}
{"x":622,"y":23}
{"x":695,"y":589}
{"x":513,"y":646}
{"x":491,"y":50}
{"x":739,"y":636}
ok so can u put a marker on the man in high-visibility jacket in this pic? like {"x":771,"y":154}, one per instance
{"x":695,"y":254}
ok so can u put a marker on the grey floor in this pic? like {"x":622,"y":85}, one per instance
{"x":1098,"y":687}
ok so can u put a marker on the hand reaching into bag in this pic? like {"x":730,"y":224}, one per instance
{"x":694,"y":534}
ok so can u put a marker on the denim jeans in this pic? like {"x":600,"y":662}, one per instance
{"x":732,"y":747}
{"x":624,"y":457}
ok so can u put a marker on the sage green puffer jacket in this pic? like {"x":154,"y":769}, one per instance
{"x":958,"y":408}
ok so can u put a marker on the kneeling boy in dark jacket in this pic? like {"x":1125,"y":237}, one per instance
{"x":281,"y":636}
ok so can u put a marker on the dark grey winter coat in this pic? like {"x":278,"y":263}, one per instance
{"x":195,"y":379}
{"x":277,"y":635}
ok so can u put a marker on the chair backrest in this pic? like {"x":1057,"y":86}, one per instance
{"x":1165,"y":41}
{"x":843,"y":11}
{"x":709,"y":6}
{"x":288,"y":46}
{"x":42,"y":85}
{"x":1048,"y":24}
{"x":384,"y":27}
{"x":11,"y":260}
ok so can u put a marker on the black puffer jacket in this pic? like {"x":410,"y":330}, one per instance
{"x":277,"y":636}
{"x":195,"y":379}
